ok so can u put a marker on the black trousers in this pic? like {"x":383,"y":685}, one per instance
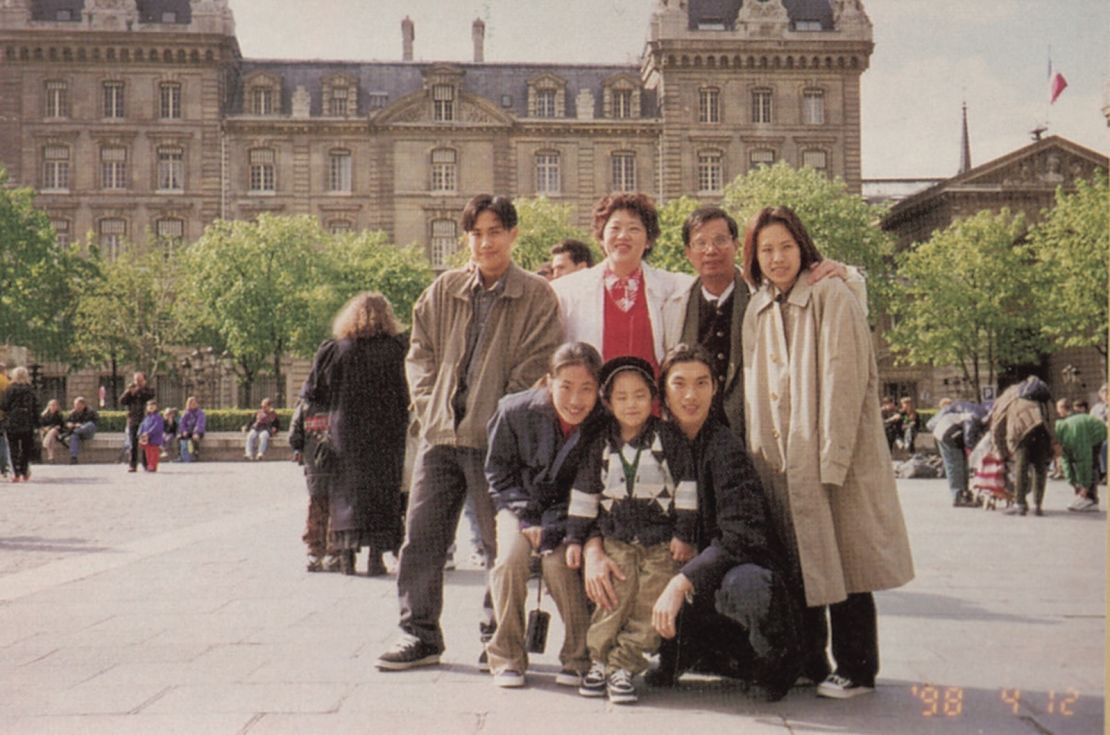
{"x":21,"y":444}
{"x":855,"y":639}
{"x":747,"y":629}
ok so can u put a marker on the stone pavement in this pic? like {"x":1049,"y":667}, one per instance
{"x":178,"y":603}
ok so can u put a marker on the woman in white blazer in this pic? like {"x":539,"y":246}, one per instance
{"x":617,"y":305}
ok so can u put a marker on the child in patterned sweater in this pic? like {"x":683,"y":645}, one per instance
{"x":636,"y":491}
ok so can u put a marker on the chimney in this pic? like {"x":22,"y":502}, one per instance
{"x":408,"y":35}
{"x":478,"y":33}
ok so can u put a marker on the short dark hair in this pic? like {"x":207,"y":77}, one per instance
{"x":569,"y":354}
{"x":501,"y":206}
{"x":684,"y":352}
{"x":639,"y":204}
{"x":1081,"y":406}
{"x":701,"y":215}
{"x":578,"y":251}
{"x":786,"y":217}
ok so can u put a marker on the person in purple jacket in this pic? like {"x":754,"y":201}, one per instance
{"x":190,"y":430}
{"x":152,"y":432}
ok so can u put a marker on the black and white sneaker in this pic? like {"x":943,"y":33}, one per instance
{"x":409,"y":652}
{"x":841,"y":687}
{"x":593,"y":683}
{"x":620,"y":688}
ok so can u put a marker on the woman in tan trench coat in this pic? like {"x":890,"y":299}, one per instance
{"x":816,"y":435}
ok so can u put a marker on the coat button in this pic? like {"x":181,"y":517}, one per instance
{"x":775,"y":434}
{"x":720,"y":355}
{"x":775,"y":359}
{"x":774,"y":396}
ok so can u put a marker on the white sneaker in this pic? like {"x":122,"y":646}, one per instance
{"x":509,"y":679}
{"x":1084,"y":505}
{"x":841,"y":687}
{"x":568,"y":678}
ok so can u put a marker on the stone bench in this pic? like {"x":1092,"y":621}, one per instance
{"x":217,"y":446}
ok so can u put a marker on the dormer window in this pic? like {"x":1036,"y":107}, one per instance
{"x":340,"y":96}
{"x":547,"y":97}
{"x":807,"y":25}
{"x":169,"y":16}
{"x":621,"y":98}
{"x":443,"y":102}
{"x":262,"y":101}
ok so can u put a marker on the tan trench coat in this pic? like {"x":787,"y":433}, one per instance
{"x":816,"y":435}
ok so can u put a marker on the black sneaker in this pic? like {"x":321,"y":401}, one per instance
{"x":593,"y":683}
{"x":409,"y":652}
{"x":620,"y":688}
{"x":841,"y":687}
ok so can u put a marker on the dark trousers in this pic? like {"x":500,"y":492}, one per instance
{"x":22,"y":444}
{"x":1031,"y":460}
{"x":137,"y":454}
{"x":443,"y":477}
{"x":855,"y":639}
{"x":747,"y":629}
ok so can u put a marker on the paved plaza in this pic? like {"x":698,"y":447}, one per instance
{"x":178,"y":603}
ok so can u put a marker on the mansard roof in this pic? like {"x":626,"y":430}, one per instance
{"x":49,"y":9}
{"x":725,"y":11}
{"x":506,"y":85}
{"x":151,"y":11}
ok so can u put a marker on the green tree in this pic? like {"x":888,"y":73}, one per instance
{"x":966,"y":297}
{"x":1072,"y":244}
{"x":541,"y":224}
{"x":367,"y":261}
{"x":668,"y":252}
{"x":843,"y":226}
{"x":126,"y":312}
{"x":37,"y":277}
{"x":253,"y":283}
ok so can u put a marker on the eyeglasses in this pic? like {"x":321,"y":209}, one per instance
{"x":720,"y":243}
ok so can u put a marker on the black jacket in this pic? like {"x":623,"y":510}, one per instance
{"x":83,"y":417}
{"x":530,"y":466}
{"x":732,"y":510}
{"x":22,"y":409}
{"x":135,"y":398}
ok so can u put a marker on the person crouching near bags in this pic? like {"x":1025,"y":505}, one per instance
{"x":537,"y":440}
{"x":636,"y":496}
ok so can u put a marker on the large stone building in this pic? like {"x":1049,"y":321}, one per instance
{"x":1024,"y":181}
{"x":132,"y":117}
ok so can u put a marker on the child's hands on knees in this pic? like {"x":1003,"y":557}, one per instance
{"x":574,"y":556}
{"x":681,"y":551}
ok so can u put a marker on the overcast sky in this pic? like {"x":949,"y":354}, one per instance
{"x":930,"y":55}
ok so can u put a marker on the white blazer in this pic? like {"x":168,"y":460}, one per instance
{"x":582,"y":303}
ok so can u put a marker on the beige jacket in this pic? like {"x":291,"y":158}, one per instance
{"x":816,"y":435}
{"x":523,"y":332}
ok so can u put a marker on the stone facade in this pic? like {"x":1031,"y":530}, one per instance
{"x":132,"y":117}
{"x":1024,"y":181}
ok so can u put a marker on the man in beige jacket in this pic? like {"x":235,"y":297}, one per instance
{"x":478,"y":333}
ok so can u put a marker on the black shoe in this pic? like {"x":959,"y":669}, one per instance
{"x":315,"y":563}
{"x":408,"y":653}
{"x":375,"y":567}
{"x":347,"y":561}
{"x":73,"y":460}
{"x":593,"y":683}
{"x":483,"y":661}
{"x":661,"y":677}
